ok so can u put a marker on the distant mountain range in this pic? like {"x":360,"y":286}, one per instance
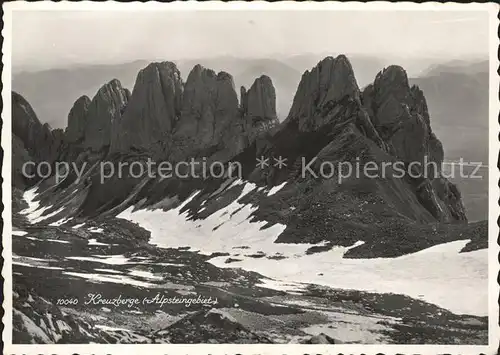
{"x":457,"y":95}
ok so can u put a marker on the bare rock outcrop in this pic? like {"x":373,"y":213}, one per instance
{"x":106,"y":107}
{"x":209,"y":106}
{"x":32,"y":143}
{"x":36,"y":137}
{"x":329,"y":82}
{"x":341,"y":125}
{"x":323,"y":92}
{"x":77,"y":120}
{"x":259,"y":102}
{"x":152,"y":111}
{"x":401,"y":116}
{"x":258,"y":109}
{"x":167,"y":119}
{"x":20,"y":156}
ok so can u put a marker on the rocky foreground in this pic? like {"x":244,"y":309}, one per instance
{"x":98,"y":263}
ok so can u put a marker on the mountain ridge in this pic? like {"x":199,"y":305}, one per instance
{"x":331,"y":121}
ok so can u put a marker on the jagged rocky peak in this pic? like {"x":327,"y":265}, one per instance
{"x":394,"y":78}
{"x":36,"y":137}
{"x":392,"y":83}
{"x":257,"y":111}
{"x":32,"y":141}
{"x":391,"y":91}
{"x":329,"y":82}
{"x":393,"y":97}
{"x":77,"y":120}
{"x":25,"y":124}
{"x":152,"y":111}
{"x":226,"y":92}
{"x":209,"y":106}
{"x":106,"y":107}
{"x":205,"y":89}
{"x":420,"y":104}
{"x":260,"y":100}
{"x":128,"y":94}
{"x":401,"y":116}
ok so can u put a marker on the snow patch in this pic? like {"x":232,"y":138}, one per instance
{"x":33,"y":262}
{"x":275,"y":189}
{"x":111,"y":271}
{"x":38,"y":266}
{"x":428,"y":274}
{"x":95,"y":230}
{"x":145,"y":274}
{"x":60,"y":222}
{"x":38,"y":215}
{"x":103,"y":259}
{"x":119,"y":279}
{"x":111,"y":329}
{"x":94,"y":241}
{"x":58,"y":241}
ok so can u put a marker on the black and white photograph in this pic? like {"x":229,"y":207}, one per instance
{"x":250,"y":174}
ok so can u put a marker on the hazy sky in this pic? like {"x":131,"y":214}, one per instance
{"x":57,"y":38}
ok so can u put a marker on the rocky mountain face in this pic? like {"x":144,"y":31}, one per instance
{"x":31,"y":141}
{"x":258,"y":107}
{"x":77,"y":120}
{"x":401,"y":115}
{"x":163,"y":118}
{"x":209,"y":107}
{"x":331,"y":121}
{"x":166,"y":118}
{"x":153,"y":110}
{"x":106,"y":108}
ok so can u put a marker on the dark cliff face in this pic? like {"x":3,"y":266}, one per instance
{"x":209,"y":106}
{"x":259,"y":102}
{"x":152,"y":111}
{"x":400,"y":114}
{"x":32,"y":141}
{"x":257,"y":111}
{"x":330,"y":121}
{"x":103,"y":112}
{"x":77,"y":120}
{"x":37,"y":138}
{"x":168,"y":119}
{"x":330,"y":81}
